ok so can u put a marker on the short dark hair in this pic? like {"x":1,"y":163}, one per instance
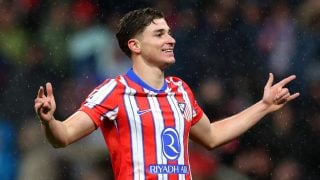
{"x":133,"y":23}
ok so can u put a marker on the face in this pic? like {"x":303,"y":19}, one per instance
{"x":157,"y":44}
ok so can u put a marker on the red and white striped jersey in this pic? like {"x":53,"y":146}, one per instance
{"x":146,"y":130}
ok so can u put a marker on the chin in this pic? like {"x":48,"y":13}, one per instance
{"x":168,"y":63}
{"x":172,"y":60}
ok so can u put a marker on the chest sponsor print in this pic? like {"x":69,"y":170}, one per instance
{"x":171,"y":149}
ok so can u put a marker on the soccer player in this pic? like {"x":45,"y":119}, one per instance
{"x":145,"y":117}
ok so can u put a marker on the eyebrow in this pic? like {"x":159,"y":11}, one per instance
{"x":161,"y":31}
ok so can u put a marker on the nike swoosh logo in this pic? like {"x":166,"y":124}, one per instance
{"x":140,"y":112}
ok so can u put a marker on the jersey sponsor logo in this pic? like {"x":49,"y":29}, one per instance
{"x":170,"y":144}
{"x":168,"y":169}
{"x":140,"y":112}
{"x":171,"y":150}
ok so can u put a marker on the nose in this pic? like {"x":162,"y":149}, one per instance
{"x":171,"y":40}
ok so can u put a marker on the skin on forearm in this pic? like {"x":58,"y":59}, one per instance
{"x":56,"y":133}
{"x":232,"y":127}
{"x":63,"y":133}
{"x":222,"y":131}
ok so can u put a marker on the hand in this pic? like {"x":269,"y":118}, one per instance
{"x":275,"y":96}
{"x":45,"y":105}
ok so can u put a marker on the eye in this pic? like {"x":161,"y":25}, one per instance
{"x":158,"y":34}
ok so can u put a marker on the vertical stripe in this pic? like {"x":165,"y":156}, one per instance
{"x":148,"y":127}
{"x":188,"y":108}
{"x":169,"y":122}
{"x":159,"y":126}
{"x":136,"y":134}
{"x":187,"y":114}
{"x":183,"y":95}
{"x":179,"y":126}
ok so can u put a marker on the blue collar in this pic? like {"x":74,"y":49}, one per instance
{"x":134,"y":77}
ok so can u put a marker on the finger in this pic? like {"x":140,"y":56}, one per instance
{"x":49,"y":90}
{"x":293,"y":96}
{"x":40,"y":92}
{"x":285,"y":81}
{"x":38,"y":106}
{"x":283,"y":99}
{"x":283,"y":92}
{"x":38,"y":100}
{"x":270,"y":81}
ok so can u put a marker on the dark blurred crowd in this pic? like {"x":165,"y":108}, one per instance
{"x":225,"y":50}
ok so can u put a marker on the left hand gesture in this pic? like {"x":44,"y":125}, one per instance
{"x":275,"y":96}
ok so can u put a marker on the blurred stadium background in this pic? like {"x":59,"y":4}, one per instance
{"x":225,"y":50}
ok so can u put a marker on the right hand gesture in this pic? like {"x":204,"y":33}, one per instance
{"x":277,"y":95}
{"x":45,"y":105}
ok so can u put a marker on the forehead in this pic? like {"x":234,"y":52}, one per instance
{"x":157,"y":24}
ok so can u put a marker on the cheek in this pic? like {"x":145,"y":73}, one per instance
{"x":152,"y":51}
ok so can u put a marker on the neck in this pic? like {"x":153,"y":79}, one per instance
{"x":152,"y":75}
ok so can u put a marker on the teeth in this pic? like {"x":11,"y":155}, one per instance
{"x":168,"y":50}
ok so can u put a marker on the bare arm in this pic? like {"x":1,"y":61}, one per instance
{"x":221,"y":132}
{"x":60,"y":133}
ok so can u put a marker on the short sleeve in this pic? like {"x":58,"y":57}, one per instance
{"x":101,"y":103}
{"x":197,"y":112}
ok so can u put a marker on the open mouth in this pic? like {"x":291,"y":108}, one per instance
{"x":167,"y":50}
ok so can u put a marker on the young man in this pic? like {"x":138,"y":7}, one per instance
{"x":146,"y":119}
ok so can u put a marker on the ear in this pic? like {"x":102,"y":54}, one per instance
{"x":134,"y":45}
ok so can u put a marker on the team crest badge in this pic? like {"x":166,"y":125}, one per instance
{"x":182,"y":107}
{"x":185,"y":110}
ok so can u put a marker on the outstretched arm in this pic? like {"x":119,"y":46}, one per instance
{"x":60,"y":133}
{"x":220,"y":132}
